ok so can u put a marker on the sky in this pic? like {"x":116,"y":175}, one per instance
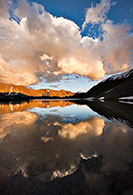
{"x":61,"y":44}
{"x":75,"y":10}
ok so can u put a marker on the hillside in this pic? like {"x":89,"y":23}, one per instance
{"x":16,"y":89}
{"x":116,"y":87}
{"x":119,"y":86}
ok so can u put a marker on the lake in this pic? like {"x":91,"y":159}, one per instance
{"x":66,"y":147}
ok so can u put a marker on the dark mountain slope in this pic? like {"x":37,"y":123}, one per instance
{"x":115,"y":87}
{"x":113,"y":111}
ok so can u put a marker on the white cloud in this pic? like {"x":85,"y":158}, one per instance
{"x":16,"y":118}
{"x":4,"y":8}
{"x":43,"y":45}
{"x":82,"y":66}
{"x":94,"y":127}
{"x":98,"y":13}
{"x":46,"y":57}
{"x":117,"y":46}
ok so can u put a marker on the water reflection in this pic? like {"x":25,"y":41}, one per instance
{"x":47,"y":153}
{"x":22,"y":106}
{"x":112,"y":110}
{"x":94,"y":126}
{"x":8,"y":122}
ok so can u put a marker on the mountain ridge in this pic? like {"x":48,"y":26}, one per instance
{"x":14,"y":89}
{"x":114,"y":88}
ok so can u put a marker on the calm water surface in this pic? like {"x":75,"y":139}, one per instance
{"x":65,"y":147}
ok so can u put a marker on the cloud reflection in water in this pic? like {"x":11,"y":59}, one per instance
{"x":47,"y":148}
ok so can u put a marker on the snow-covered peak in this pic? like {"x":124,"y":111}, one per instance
{"x":120,"y":75}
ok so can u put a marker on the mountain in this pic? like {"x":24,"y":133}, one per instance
{"x":116,"y":87}
{"x":116,"y":111}
{"x":23,"y":92}
{"x":24,"y":105}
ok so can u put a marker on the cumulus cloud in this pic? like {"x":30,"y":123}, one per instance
{"x":16,"y":118}
{"x":94,"y":126}
{"x":4,"y":8}
{"x":96,"y":14}
{"x":28,"y":135}
{"x":40,"y":45}
{"x":117,"y":45}
{"x":16,"y":72}
{"x":46,"y":57}
{"x":81,"y":66}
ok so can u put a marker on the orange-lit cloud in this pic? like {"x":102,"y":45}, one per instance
{"x":117,"y":43}
{"x":117,"y":46}
{"x":38,"y":150}
{"x":42,"y":45}
{"x":16,"y":118}
{"x":94,"y":126}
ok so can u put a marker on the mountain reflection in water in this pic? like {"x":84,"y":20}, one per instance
{"x":62,"y":147}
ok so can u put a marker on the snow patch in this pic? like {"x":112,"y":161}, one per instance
{"x":122,"y":75}
{"x":101,"y":98}
{"x":109,"y":91}
{"x":126,"y":98}
{"x":11,"y":90}
{"x":89,"y":99}
{"x":119,"y":76}
{"x":17,"y":93}
{"x":125,"y":102}
{"x":11,"y":107}
{"x":102,"y":101}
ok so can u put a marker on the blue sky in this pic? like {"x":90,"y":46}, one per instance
{"x":69,"y":83}
{"x":64,"y":44}
{"x":75,"y":10}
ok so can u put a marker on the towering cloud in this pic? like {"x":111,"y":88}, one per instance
{"x":35,"y":44}
{"x":117,"y":43}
